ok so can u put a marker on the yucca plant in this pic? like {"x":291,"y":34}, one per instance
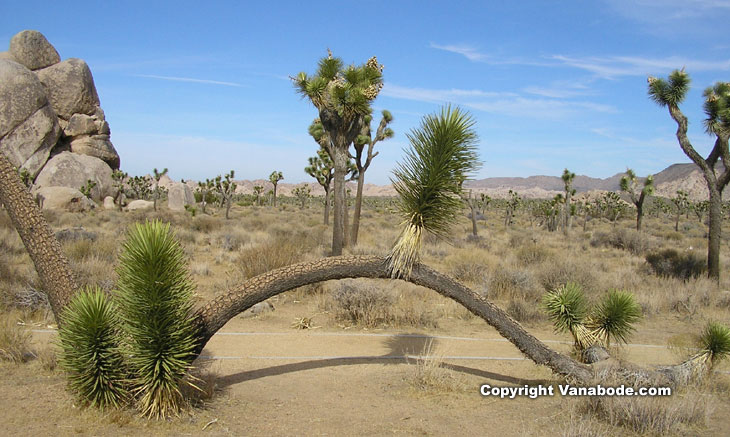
{"x":567,"y":308}
{"x":154,"y":294}
{"x":429,"y":183}
{"x":715,"y":342}
{"x":90,"y":351}
{"x":614,"y":316}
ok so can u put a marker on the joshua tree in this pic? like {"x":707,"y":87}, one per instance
{"x":569,"y":192}
{"x":429,"y":182}
{"x":157,"y":190}
{"x":629,"y":184}
{"x":226,"y":187}
{"x":205,"y":189}
{"x":140,"y":186}
{"x":513,"y":204}
{"x":700,"y":208}
{"x":671,"y":93}
{"x":366,"y":139}
{"x":321,"y":167}
{"x":342,"y":96}
{"x":87,"y":188}
{"x":681,"y":206}
{"x":274,"y":178}
{"x":257,"y":190}
{"x":119,"y":178}
{"x":472,"y":203}
{"x":25,"y":177}
{"x":611,"y":206}
{"x":484,"y":201}
{"x":302,"y":193}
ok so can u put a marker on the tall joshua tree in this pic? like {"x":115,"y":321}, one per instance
{"x":157,"y":190}
{"x":205,"y":188}
{"x":226,"y":187}
{"x":567,"y":177}
{"x":366,"y":139}
{"x":670,"y":93}
{"x":342,"y":95}
{"x":629,"y":184}
{"x":274,"y":178}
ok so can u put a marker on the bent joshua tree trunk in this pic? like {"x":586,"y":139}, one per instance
{"x":59,"y":283}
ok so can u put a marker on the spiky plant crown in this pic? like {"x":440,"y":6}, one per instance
{"x":613,"y":317}
{"x":442,"y":156}
{"x":90,"y":351}
{"x":154,"y":294}
{"x":717,"y":109}
{"x":715,"y":341}
{"x":670,"y":92}
{"x":275,"y":177}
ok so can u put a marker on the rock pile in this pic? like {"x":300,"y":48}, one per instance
{"x":51,"y":122}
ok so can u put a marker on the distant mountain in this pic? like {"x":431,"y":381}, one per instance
{"x":685,"y":177}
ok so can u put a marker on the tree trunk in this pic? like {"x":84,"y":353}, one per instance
{"x":715,"y":232}
{"x":676,"y":223}
{"x":346,"y":207}
{"x":473,"y":218}
{"x":327,"y":207}
{"x":51,"y":264}
{"x":338,"y":228}
{"x":228,"y":207}
{"x":639,"y":215}
{"x":217,"y":313}
{"x":358,"y":208}
{"x":274,"y":195}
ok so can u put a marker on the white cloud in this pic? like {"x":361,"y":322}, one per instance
{"x":615,"y":66}
{"x":504,"y":103}
{"x":188,"y":79}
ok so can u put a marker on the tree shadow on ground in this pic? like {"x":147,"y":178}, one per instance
{"x":404,"y":349}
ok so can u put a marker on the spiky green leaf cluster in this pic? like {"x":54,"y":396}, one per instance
{"x":715,"y":341}
{"x":717,"y":108}
{"x":614,"y":316}
{"x":429,"y":182}
{"x":669,"y":92}
{"x":155,"y":301}
{"x":566,"y":307}
{"x":90,"y":351}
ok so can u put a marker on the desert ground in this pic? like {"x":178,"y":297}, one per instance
{"x":379,"y":357}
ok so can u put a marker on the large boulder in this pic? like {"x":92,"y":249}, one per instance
{"x":70,"y":87}
{"x":7,"y":56}
{"x":97,"y":146}
{"x":63,"y":199}
{"x":28,"y":126}
{"x":140,"y":205}
{"x":109,"y":203}
{"x":33,"y":50}
{"x":73,"y":170}
{"x":179,"y":195}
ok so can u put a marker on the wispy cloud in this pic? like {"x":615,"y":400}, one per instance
{"x":694,"y":19}
{"x":473,"y":54}
{"x":189,"y":79}
{"x":615,"y":66}
{"x":504,"y":103}
{"x":563,"y":89}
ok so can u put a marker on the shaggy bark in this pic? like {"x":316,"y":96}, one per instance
{"x":45,"y":251}
{"x":217,"y":313}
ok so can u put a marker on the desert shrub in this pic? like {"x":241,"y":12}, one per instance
{"x":90,"y":354}
{"x":558,"y":273}
{"x":669,"y":262}
{"x":154,"y":295}
{"x":231,"y":241}
{"x":467,"y":266}
{"x":364,"y":305}
{"x":507,"y":283}
{"x":432,"y":375}
{"x":524,"y":312}
{"x":674,"y":236}
{"x":625,"y":239}
{"x":278,"y":252}
{"x":532,"y":254}
{"x":205,"y":224}
{"x":14,"y":341}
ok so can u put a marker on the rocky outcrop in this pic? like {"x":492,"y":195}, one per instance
{"x":140,"y":205}
{"x":32,"y":50}
{"x":179,"y":195}
{"x":72,"y":170}
{"x":109,"y":203}
{"x":63,"y":199}
{"x":48,"y":107}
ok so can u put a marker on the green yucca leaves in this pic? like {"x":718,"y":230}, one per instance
{"x":669,"y":92}
{"x":614,"y":316}
{"x":442,"y":155}
{"x":715,"y":341}
{"x":155,"y":302}
{"x":567,"y":308}
{"x":90,"y":351}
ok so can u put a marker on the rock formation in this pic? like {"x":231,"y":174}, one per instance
{"x":179,"y":195}
{"x":51,"y":122}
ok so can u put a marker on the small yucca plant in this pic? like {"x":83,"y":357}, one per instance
{"x":715,"y":342}
{"x":614,"y":316}
{"x":154,"y":295}
{"x":429,"y":182}
{"x":567,"y":308}
{"x":90,"y":351}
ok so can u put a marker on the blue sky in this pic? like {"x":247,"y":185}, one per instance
{"x":202,"y":87}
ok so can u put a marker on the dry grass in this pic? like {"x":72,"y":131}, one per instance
{"x":430,"y":375}
{"x":14,"y":341}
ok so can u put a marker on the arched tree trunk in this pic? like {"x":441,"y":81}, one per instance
{"x":217,"y":313}
{"x":45,"y":251}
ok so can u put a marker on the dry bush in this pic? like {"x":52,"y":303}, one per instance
{"x":620,"y":238}
{"x":232,"y":239}
{"x":431,"y":375}
{"x":524,"y":312}
{"x":669,"y":262}
{"x":278,"y":252}
{"x":561,"y":271}
{"x":10,"y":242}
{"x":205,"y":224}
{"x":468,"y":266}
{"x":506,"y":283}
{"x":532,"y":254}
{"x":14,"y":341}
{"x":673,"y":236}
